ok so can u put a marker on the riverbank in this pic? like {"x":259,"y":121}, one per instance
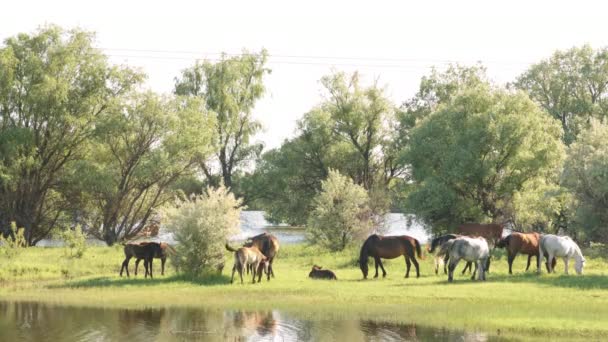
{"x":519,"y":306}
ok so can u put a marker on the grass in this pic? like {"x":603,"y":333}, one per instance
{"x":522,"y":305}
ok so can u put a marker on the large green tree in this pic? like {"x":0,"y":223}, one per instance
{"x":230,"y":88}
{"x":586,"y":176}
{"x":571,"y":85}
{"x":478,"y":154}
{"x":140,"y":150}
{"x":54,"y":87}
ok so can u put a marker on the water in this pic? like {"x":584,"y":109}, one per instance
{"x":253,"y":223}
{"x":39,"y":322}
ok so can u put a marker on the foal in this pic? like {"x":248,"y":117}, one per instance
{"x":141,"y":251}
{"x":318,"y":273}
{"x":165,"y":249}
{"x":245,"y":256}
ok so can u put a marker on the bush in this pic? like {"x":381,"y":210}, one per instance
{"x":201,"y":224}
{"x":341,"y":213}
{"x":75,"y":242}
{"x":14,"y":243}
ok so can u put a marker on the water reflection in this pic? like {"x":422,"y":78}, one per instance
{"x":38,"y":322}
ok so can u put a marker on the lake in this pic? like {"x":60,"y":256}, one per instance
{"x":40,"y":322}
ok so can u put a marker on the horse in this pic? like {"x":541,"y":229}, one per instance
{"x":470,"y":249}
{"x":560,"y":246}
{"x":268,"y":244}
{"x":389,"y":247}
{"x":245,"y":256}
{"x":524,"y":243}
{"x":318,"y":272}
{"x":145,"y":251}
{"x":492,"y":232}
{"x":438,"y":241}
{"x":165,"y":249}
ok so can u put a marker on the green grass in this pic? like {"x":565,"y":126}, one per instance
{"x":522,"y":305}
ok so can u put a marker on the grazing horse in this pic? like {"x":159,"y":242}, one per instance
{"x":389,"y":247}
{"x":438,"y":241}
{"x":268,"y":244}
{"x":551,"y":246}
{"x":524,"y":243}
{"x":492,"y":232}
{"x":470,"y":249}
{"x":165,"y":249}
{"x":318,"y":273}
{"x":145,"y":251}
{"x":245,"y":256}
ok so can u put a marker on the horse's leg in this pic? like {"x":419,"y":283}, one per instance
{"x":436,"y":265}
{"x":475,"y":271}
{"x":162,"y":266}
{"x":415,"y":262}
{"x":270,"y":271}
{"x":549,"y":266}
{"x":451,"y":270}
{"x":408,"y":264}
{"x":125,"y":265}
{"x":240,"y":269}
{"x":510,"y":259}
{"x":376,"y":261}
{"x":254,"y":270}
{"x":136,"y":265}
{"x":233,"y":270}
{"x":445,"y":264}
{"x":382,"y":268}
{"x":150,"y":265}
{"x":566,"y":265}
{"x":529,"y":258}
{"x":468,"y":265}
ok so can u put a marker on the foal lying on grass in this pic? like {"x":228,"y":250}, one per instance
{"x":246,"y":256}
{"x":318,"y":273}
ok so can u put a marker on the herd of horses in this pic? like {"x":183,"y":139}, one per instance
{"x":471,"y":243}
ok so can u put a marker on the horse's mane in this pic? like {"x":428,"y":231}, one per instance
{"x":440,"y":240}
{"x":363,"y":255}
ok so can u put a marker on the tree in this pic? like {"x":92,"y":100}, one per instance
{"x":54,"y":87}
{"x":474,"y":155}
{"x":341,"y":213}
{"x":571,"y":85}
{"x":230,"y":88}
{"x":586,"y":176}
{"x":142,"y":147}
{"x":201,"y":225}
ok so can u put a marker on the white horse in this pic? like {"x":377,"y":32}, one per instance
{"x":551,"y":246}
{"x":470,"y":249}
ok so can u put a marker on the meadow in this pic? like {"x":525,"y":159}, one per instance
{"x":522,"y":305}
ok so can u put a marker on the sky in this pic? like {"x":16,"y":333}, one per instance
{"x":393,"y":42}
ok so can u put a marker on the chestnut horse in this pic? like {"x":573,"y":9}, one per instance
{"x":389,"y":247}
{"x":524,"y":243}
{"x":492,"y":232}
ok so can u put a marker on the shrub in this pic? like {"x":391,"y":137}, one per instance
{"x":341,"y":213}
{"x":75,"y":242}
{"x":201,"y":224}
{"x":14,"y":243}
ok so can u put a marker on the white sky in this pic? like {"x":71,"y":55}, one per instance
{"x":165,"y":37}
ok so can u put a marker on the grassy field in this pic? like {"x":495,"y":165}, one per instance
{"x":520,"y":305}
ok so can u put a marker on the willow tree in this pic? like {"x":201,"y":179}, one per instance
{"x":230,"y":88}
{"x":140,"y":150}
{"x":54,"y":87}
{"x":476,"y":155}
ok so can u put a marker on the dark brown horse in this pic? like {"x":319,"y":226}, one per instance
{"x":389,"y":247}
{"x":437,"y":242}
{"x":318,"y":272}
{"x":524,"y":243}
{"x":145,"y":251}
{"x":268,"y":244}
{"x":165,"y":249}
{"x":492,"y":232}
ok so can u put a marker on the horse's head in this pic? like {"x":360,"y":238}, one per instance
{"x":502,"y":243}
{"x":579,"y":264}
{"x":363,"y":266}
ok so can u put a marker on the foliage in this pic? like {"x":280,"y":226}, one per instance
{"x":75,"y":241}
{"x":230,"y":89}
{"x":481,"y":155}
{"x":201,"y":225}
{"x":54,"y":87}
{"x":140,"y":150}
{"x":571,"y":85}
{"x":13,"y":243}
{"x":586,"y":176}
{"x":341,"y":213}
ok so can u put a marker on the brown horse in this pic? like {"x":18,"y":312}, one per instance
{"x":165,"y":249}
{"x":492,"y":232}
{"x":318,"y":272}
{"x":524,"y":243}
{"x":268,"y":244}
{"x":146,"y":252}
{"x":389,"y":247}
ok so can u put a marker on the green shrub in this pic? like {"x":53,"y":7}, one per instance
{"x":201,"y":225}
{"x":75,"y":242}
{"x":12,"y":246}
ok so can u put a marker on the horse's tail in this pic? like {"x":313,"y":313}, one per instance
{"x":231,"y":249}
{"x":541,"y":253}
{"x":418,"y":249}
{"x":171,"y":250}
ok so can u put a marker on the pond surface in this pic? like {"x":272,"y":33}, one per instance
{"x":40,"y":322}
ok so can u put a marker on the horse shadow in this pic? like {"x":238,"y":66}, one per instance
{"x":583,"y":282}
{"x":111,"y":281}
